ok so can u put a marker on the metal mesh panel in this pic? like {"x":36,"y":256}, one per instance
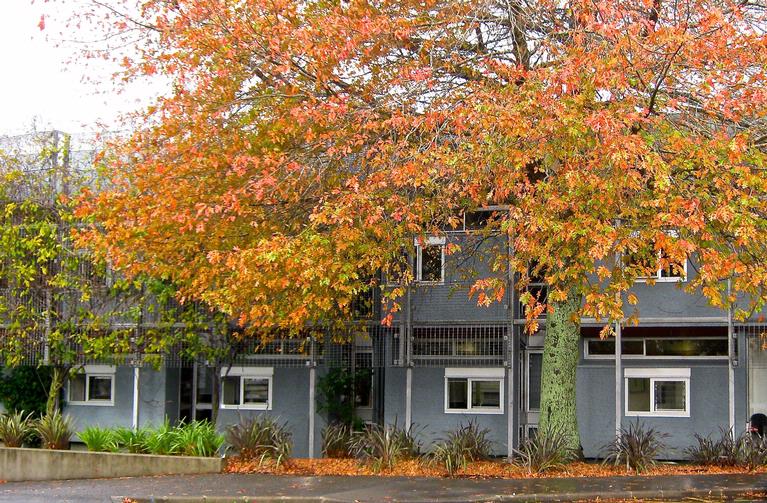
{"x":470,"y":345}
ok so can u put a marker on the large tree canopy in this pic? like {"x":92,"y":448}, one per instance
{"x":305,"y":142}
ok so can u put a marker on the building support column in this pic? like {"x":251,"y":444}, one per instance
{"x":618,"y":377}
{"x":312,"y":399}
{"x":136,"y":382}
{"x":408,"y":360}
{"x":730,"y":365}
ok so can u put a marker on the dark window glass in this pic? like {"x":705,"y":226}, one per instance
{"x":686,"y":347}
{"x":255,"y":390}
{"x":230,"y":390}
{"x":639,"y":394}
{"x":607,"y":347}
{"x":99,"y":388}
{"x":431,"y":263}
{"x":204,"y":385}
{"x":457,"y":393}
{"x":534,"y":377}
{"x":486,"y":394}
{"x":670,"y":395}
{"x":477,"y":220}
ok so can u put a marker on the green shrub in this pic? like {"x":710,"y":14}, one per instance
{"x":15,"y":428}
{"x":133,"y":441}
{"x":99,"y":439}
{"x":637,"y":447}
{"x":746,"y":450}
{"x":384,"y":445}
{"x":25,"y":388}
{"x":261,"y":437}
{"x":197,"y":438}
{"x":337,"y":440}
{"x":547,"y":450}
{"x":467,"y":443}
{"x":54,"y":430}
{"x":161,"y":440}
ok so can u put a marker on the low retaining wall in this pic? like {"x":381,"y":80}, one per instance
{"x":43,"y":464}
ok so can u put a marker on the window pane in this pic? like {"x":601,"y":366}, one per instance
{"x":99,"y":388}
{"x":534,"y":377}
{"x":204,"y":384}
{"x":431,"y":263}
{"x":639,"y":394}
{"x":670,"y":395}
{"x":77,"y":388}
{"x":457,"y":394}
{"x":607,"y":347}
{"x":363,"y":387}
{"x":231,"y":390}
{"x":687,"y":347}
{"x":486,"y":394}
{"x":255,"y":390}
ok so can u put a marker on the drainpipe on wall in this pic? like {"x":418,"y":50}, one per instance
{"x":512,"y":353}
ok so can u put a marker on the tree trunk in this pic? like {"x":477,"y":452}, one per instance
{"x":560,"y":360}
{"x":57,"y":382}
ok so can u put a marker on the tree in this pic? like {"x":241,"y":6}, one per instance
{"x":303,"y":144}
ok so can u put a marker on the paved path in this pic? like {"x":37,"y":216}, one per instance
{"x":227,"y":488}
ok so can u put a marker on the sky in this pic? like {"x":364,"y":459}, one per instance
{"x":40,"y":88}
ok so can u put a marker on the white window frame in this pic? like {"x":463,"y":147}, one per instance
{"x":248,"y":373}
{"x":419,"y":246}
{"x":655,"y":375}
{"x":644,"y":356}
{"x":103,"y":371}
{"x":527,"y":377}
{"x":475,"y":374}
{"x":657,"y":278}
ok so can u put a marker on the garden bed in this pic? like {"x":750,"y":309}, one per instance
{"x":477,"y":469}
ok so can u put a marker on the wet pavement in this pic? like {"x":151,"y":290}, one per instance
{"x":227,"y":488}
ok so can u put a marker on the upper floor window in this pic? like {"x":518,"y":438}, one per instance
{"x":652,"y":264}
{"x":430,"y":260}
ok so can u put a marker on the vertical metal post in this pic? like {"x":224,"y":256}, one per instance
{"x":730,"y":362}
{"x":194,"y":390}
{"x":312,"y":404}
{"x":136,"y":388}
{"x":618,"y":378}
{"x":408,"y":361}
{"x":512,"y":352}
{"x":48,"y":327}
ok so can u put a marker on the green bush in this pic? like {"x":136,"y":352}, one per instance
{"x":161,"y":440}
{"x":637,"y":447}
{"x":384,"y":445}
{"x":133,"y":441}
{"x":54,"y":431}
{"x":337,"y":440}
{"x":197,"y":438}
{"x":261,"y":437}
{"x":467,"y":443}
{"x":746,"y":450}
{"x":15,"y":428}
{"x":99,"y":439}
{"x":547,"y":450}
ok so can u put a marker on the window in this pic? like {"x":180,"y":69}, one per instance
{"x":363,"y":379}
{"x":534,"y":371}
{"x":247,"y":388}
{"x":690,"y":347}
{"x":658,"y":392}
{"x":478,"y":391}
{"x":647,"y":264}
{"x":430,"y":260}
{"x":537,"y":287}
{"x":94,"y":386}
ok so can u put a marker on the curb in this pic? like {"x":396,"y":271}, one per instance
{"x":716,"y":494}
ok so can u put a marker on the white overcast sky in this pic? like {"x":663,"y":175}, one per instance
{"x":39,"y":85}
